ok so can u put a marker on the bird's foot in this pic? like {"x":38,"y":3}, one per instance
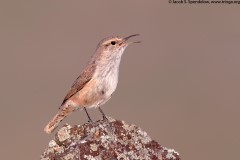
{"x":105,"y":118}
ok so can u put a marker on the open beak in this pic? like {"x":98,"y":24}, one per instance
{"x":124,"y":42}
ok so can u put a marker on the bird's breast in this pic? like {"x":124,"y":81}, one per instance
{"x":108,"y":82}
{"x":98,"y":90}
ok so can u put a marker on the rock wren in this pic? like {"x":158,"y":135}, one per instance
{"x":96,"y":83}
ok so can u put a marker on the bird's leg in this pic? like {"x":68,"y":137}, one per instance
{"x":89,"y":118}
{"x":109,"y":128}
{"x":104,"y":116}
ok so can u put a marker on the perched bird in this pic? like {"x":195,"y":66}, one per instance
{"x":96,"y":83}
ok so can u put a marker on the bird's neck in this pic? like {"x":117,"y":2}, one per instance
{"x":108,"y":63}
{"x":108,"y":67}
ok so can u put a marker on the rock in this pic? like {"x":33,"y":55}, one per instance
{"x":107,"y":140}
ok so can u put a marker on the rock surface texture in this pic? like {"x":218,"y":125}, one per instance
{"x":105,"y":140}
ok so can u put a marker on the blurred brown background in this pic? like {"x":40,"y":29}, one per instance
{"x":181,"y":84}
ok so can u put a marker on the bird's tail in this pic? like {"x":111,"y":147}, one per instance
{"x":63,"y":112}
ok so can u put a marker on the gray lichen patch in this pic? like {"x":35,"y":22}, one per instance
{"x":63,"y":134}
{"x":94,"y":147}
{"x":112,"y":139}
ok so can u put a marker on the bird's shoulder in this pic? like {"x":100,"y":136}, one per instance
{"x":81,"y":81}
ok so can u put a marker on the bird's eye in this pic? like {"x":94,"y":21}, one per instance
{"x":113,"y":43}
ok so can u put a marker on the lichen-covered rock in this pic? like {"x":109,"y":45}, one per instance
{"x":107,"y":140}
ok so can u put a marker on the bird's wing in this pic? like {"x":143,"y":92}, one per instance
{"x":81,"y":81}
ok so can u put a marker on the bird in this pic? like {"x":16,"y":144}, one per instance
{"x":97,"y":81}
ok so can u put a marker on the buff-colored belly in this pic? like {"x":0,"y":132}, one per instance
{"x":96,"y":92}
{"x":90,"y":96}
